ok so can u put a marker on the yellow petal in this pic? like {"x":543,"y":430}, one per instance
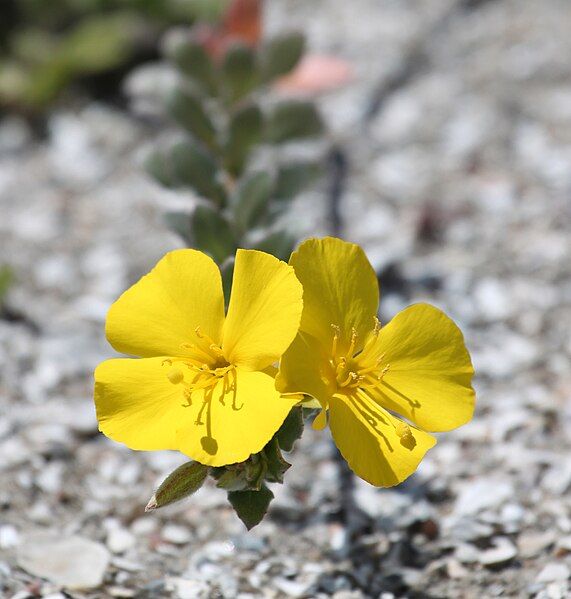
{"x":264,"y":311}
{"x":377,"y":446}
{"x":231,"y":432}
{"x":304,"y":368}
{"x":161,"y":312}
{"x":137,"y":404}
{"x":339,"y":288}
{"x":430,"y":373}
{"x":320,"y":421}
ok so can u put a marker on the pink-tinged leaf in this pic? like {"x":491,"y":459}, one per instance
{"x":317,"y":74}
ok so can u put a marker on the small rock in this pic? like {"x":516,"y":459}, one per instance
{"x":120,"y":540}
{"x":291,"y":588}
{"x":189,"y":589}
{"x":531,"y":544}
{"x":467,"y":554}
{"x":121,"y":592}
{"x":557,"y":479}
{"x":503,"y":551}
{"x":72,"y":562}
{"x":455,"y":569}
{"x":493,"y":299}
{"x":553,"y":572}
{"x":178,"y":535}
{"x":481,"y":494}
{"x":9,"y":536}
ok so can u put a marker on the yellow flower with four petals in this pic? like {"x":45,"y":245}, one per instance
{"x":203,"y":382}
{"x":363,"y":375}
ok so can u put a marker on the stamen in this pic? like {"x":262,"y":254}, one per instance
{"x":209,"y":340}
{"x":351,"y":349}
{"x":346,"y":380}
{"x":336,"y":333}
{"x":384,"y":371}
{"x":377,"y":326}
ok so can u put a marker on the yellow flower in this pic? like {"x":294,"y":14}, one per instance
{"x":204,"y":383}
{"x":416,"y":366}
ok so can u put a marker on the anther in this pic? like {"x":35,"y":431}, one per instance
{"x":377,"y":326}
{"x":175,"y":376}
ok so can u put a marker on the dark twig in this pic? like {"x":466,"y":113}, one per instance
{"x":338,"y":168}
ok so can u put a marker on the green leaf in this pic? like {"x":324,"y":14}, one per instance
{"x":244,"y":132}
{"x":193,"y":61}
{"x":189,"y":112}
{"x":181,"y":483}
{"x":101,"y":42}
{"x":282,"y":54}
{"x":6,"y":280}
{"x":159,"y":167}
{"x":251,"y":198}
{"x":293,"y":178}
{"x":180,"y":223}
{"x":211,"y":233}
{"x":239,"y":72}
{"x":194,"y":167}
{"x":293,"y":119}
{"x":251,"y":506}
{"x":291,"y":430}
{"x":279,"y":243}
{"x":276,"y":465}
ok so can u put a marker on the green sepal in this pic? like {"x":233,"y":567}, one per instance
{"x":194,"y":62}
{"x":232,"y":480}
{"x":293,"y":119}
{"x":245,"y":130}
{"x":240,"y":73}
{"x":251,"y":506}
{"x":255,"y":471}
{"x":276,"y":465}
{"x":294,"y":177}
{"x":188,"y":110}
{"x":250,"y":199}
{"x":291,"y":429}
{"x":196,"y":168}
{"x":211,"y":233}
{"x":281,"y":55}
{"x":179,"y":484}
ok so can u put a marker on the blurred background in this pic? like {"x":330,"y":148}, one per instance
{"x":446,"y":153}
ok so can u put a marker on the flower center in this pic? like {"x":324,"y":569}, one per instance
{"x":206,"y":372}
{"x":357,"y":369}
{"x":358,"y":373}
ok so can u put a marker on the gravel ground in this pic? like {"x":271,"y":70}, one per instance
{"x":457,"y":131}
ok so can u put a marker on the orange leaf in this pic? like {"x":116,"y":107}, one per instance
{"x":243,"y":21}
